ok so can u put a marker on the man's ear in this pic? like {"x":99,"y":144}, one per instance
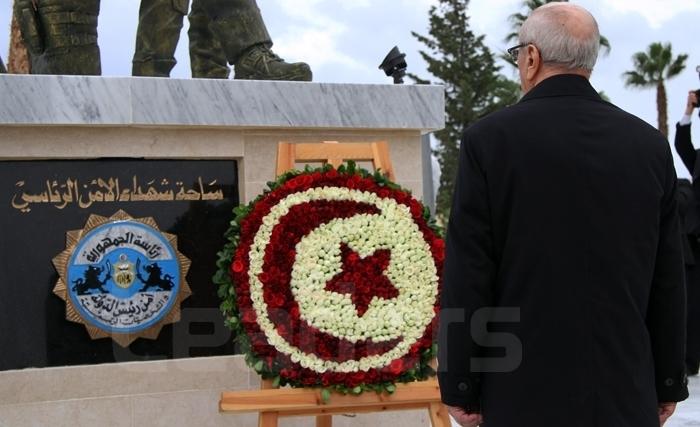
{"x":533,"y":62}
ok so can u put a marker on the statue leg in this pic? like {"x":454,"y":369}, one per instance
{"x":2,"y":67}
{"x":160,"y":23}
{"x":207,"y":57}
{"x":239,"y":26}
{"x":61,"y":36}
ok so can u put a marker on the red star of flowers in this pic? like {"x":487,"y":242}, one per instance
{"x":363,"y":278}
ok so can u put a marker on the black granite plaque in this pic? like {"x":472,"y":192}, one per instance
{"x":41,"y":200}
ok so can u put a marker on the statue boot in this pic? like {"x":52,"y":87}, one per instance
{"x":2,"y":67}
{"x":239,"y":26}
{"x":260,"y":63}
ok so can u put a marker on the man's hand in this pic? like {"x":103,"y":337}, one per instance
{"x":463,"y":418}
{"x":665,"y":412}
{"x":692,"y":102}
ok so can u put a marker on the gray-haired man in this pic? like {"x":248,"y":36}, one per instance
{"x":565,"y":219}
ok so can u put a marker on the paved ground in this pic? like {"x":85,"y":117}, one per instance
{"x":688,"y":412}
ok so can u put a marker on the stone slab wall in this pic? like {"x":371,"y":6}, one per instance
{"x":173,"y":393}
{"x":61,"y":117}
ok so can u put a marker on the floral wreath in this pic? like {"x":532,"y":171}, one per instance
{"x":331,"y":278}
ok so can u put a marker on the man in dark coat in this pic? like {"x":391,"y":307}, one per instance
{"x":689,"y":200}
{"x":563,"y":300}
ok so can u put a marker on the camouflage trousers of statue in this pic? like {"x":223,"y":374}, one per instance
{"x":60,"y":35}
{"x":220,"y":30}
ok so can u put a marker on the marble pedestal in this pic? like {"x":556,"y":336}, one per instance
{"x":66,"y":117}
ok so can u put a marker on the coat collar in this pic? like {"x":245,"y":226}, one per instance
{"x":562,"y":85}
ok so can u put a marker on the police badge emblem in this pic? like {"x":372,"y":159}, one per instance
{"x":122,"y":277}
{"x":125,"y":272}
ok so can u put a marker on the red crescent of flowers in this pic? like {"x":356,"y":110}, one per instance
{"x":366,"y":275}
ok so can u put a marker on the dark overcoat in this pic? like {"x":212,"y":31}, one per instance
{"x":564,"y":211}
{"x":689,"y":205}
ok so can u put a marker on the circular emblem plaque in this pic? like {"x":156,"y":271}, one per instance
{"x":122,"y":277}
{"x":335,"y":278}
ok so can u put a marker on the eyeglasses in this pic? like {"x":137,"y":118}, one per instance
{"x":515,"y":51}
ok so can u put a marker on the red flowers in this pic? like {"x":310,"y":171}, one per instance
{"x":237,"y":266}
{"x":362,"y":279}
{"x":396,"y":366}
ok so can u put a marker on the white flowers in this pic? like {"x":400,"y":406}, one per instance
{"x":411,"y":270}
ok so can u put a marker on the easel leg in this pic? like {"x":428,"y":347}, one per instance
{"x":324,"y":421}
{"x":438,"y":415}
{"x":267,"y":419}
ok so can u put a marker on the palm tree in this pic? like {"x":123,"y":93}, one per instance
{"x":651,"y":69}
{"x":517,"y":20}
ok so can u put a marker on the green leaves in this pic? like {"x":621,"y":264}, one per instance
{"x":220,"y":278}
{"x":227,"y":306}
{"x":474,"y":86}
{"x":232,"y":322}
{"x":326,"y":395}
{"x":654,"y":65}
{"x":651,"y":69}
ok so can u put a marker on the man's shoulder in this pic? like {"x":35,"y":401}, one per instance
{"x":497,"y":119}
{"x":643,"y":133}
{"x":635,"y":122}
{"x":526,"y":110}
{"x":510,"y":120}
{"x":495,"y":123}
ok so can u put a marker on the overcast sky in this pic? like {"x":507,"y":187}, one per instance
{"x":344,"y":41}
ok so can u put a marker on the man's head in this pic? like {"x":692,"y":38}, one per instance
{"x":557,"y":38}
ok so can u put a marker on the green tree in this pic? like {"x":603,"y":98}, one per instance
{"x":474,"y":87}
{"x":651,"y":69}
{"x":517,"y":20}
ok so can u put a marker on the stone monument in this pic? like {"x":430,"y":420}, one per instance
{"x":78,"y":153}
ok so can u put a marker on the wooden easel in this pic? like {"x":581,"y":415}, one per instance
{"x":294,"y":402}
{"x":334,"y":153}
{"x":273,"y":403}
